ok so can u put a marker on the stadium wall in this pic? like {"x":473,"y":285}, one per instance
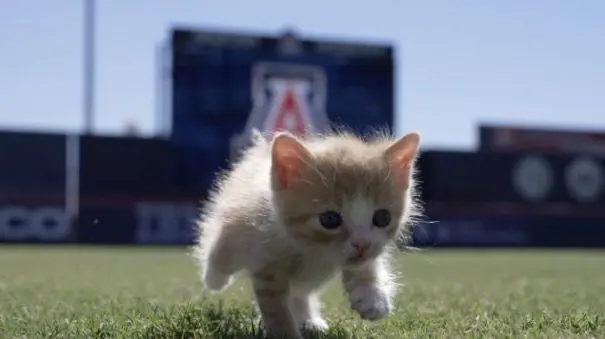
{"x":133,"y":191}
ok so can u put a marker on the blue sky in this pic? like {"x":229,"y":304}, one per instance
{"x":536,"y":62}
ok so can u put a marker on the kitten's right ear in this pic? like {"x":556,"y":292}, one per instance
{"x":289,"y":156}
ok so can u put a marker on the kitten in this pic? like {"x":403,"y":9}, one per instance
{"x":294,"y":212}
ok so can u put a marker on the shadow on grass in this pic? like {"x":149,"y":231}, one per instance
{"x":217,"y":321}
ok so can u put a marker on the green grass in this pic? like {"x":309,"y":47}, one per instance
{"x":82,"y":292}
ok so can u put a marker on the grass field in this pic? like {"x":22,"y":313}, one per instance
{"x":82,"y":292}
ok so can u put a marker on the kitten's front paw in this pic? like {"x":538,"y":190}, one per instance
{"x":370,"y":302}
{"x":315,"y":324}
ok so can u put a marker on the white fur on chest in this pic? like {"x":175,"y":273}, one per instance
{"x":312,"y":272}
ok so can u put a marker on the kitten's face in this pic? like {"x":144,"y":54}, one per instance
{"x":344,"y":198}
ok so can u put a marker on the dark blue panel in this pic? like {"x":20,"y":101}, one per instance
{"x":137,"y":222}
{"x":510,"y":231}
{"x":104,"y":224}
{"x":32,"y":167}
{"x":464,"y":177}
{"x":32,"y":188}
{"x":472,"y":230}
{"x":130,"y":167}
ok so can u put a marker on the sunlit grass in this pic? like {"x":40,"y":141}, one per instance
{"x":93,"y":292}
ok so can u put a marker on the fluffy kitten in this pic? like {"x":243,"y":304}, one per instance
{"x":294,"y":212}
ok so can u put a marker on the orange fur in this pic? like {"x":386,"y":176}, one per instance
{"x":263,"y":217}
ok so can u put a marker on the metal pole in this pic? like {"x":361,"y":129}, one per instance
{"x":89,"y":65}
{"x":72,"y":176}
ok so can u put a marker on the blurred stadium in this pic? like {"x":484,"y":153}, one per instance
{"x":523,"y":187}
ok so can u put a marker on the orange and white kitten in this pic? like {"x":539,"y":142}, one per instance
{"x":294,"y":212}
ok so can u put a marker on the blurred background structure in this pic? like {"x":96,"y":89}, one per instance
{"x":521,"y":185}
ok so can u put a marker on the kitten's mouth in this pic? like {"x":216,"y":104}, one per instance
{"x":357,"y":259}
{"x":362,"y":257}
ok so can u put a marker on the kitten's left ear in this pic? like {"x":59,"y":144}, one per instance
{"x":289,"y":156}
{"x":401,"y":155}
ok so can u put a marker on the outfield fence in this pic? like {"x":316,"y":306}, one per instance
{"x":110,"y":190}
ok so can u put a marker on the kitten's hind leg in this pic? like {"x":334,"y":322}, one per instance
{"x":306,"y":310}
{"x":271,"y":291}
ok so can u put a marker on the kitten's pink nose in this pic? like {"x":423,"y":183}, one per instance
{"x":360,"y":245}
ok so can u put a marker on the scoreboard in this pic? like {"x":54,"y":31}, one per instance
{"x":224,"y":84}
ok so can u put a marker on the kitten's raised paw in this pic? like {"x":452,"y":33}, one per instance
{"x":216,"y":281}
{"x":370,"y":302}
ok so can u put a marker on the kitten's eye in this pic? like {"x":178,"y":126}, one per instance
{"x":381,"y":218}
{"x":330,"y":219}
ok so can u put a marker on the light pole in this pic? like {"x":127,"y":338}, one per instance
{"x":72,"y":142}
{"x":89,"y":65}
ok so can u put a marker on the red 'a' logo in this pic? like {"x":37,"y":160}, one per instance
{"x":287,"y":97}
{"x":289,"y":114}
